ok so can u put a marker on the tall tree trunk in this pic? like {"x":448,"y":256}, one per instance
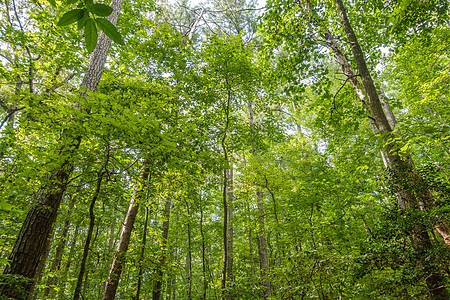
{"x":404,"y":170}
{"x":29,"y":248}
{"x":56,"y":263}
{"x":252,"y":267}
{"x":227,"y":194}
{"x":87,"y":243}
{"x":275,"y":213}
{"x":189,"y":255}
{"x":41,"y":266}
{"x":111,"y":234}
{"x":264,"y":262}
{"x":116,"y":267}
{"x":141,"y":258}
{"x":202,"y":234}
{"x":230,"y":230}
{"x":61,"y":294}
{"x":157,"y":287}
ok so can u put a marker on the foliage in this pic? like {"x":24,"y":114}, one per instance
{"x":178,"y":100}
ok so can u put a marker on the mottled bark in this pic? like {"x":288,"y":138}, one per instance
{"x":116,"y":267}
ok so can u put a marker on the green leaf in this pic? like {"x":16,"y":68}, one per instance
{"x":90,"y":35}
{"x":71,"y":2}
{"x":52,"y":2}
{"x":70,"y":17}
{"x":4,"y":261}
{"x":101,"y":10}
{"x":83,"y":20}
{"x":110,"y":30}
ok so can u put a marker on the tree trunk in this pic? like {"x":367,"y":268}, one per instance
{"x":251,"y":252}
{"x":230,"y":230}
{"x":202,"y":234}
{"x":29,"y":248}
{"x":111,"y":234}
{"x":41,"y":266}
{"x":264,"y":262}
{"x":61,"y":294}
{"x":141,"y":258}
{"x":404,"y":170}
{"x":56,"y":263}
{"x":157,"y":287}
{"x":226,"y":201}
{"x":189,"y":255}
{"x":116,"y":267}
{"x":87,"y":243}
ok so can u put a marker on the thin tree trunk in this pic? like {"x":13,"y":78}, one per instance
{"x":56,"y":263}
{"x":29,"y":248}
{"x":230,"y":230}
{"x":227,"y":176}
{"x":69,"y":262}
{"x":116,"y":267}
{"x":87,"y":243}
{"x":275,"y":212}
{"x":157,"y":287}
{"x":251,"y":252}
{"x":264,"y":262}
{"x":202,"y":234}
{"x":141,"y":258}
{"x":189,"y":255}
{"x":111,"y":234}
{"x":402,"y":169}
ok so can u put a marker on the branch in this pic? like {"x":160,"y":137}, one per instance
{"x":334,"y":97}
{"x":10,"y":113}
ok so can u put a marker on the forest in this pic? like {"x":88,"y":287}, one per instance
{"x":225,"y":149}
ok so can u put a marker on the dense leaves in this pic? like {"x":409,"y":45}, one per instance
{"x":188,"y":92}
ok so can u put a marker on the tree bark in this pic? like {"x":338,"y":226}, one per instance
{"x":264,"y":262}
{"x":157,"y":287}
{"x":141,"y":258}
{"x":56,"y":263}
{"x":41,"y":266}
{"x":29,"y":248}
{"x":87,"y":243}
{"x":226,"y":201}
{"x":116,"y":267}
{"x":404,"y":170}
{"x":202,"y":234}
{"x":111,"y":234}
{"x":189,"y":255}
{"x":61,"y":294}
